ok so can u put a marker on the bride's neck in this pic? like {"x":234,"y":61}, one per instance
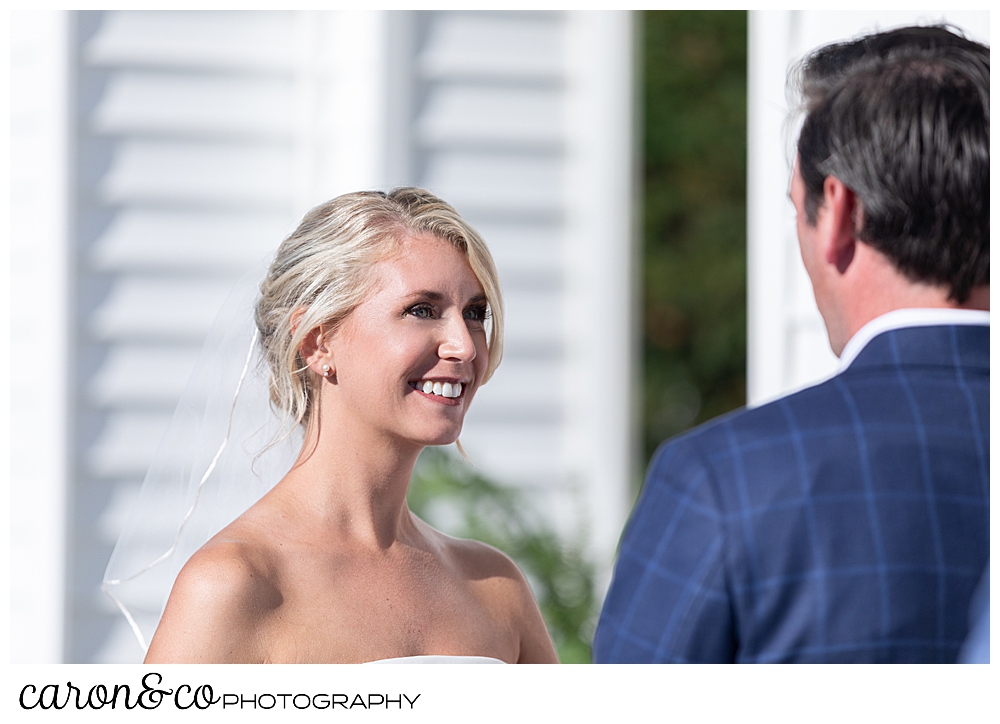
{"x":353,"y":480}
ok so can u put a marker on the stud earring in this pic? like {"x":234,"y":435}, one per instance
{"x":326,"y":370}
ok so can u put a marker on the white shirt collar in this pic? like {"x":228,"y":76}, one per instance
{"x":900,"y":318}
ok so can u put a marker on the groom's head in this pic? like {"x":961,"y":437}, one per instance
{"x":891,"y":184}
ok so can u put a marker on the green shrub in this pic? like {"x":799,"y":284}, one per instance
{"x":694,"y":218}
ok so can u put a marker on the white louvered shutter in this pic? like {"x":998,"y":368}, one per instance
{"x":203,"y":136}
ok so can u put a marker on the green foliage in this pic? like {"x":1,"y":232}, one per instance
{"x":450,"y":495}
{"x":694,"y":219}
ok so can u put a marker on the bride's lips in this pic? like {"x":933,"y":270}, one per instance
{"x":443,"y":390}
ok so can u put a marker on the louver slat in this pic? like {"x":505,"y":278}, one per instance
{"x":201,"y":41}
{"x":126,"y":444}
{"x":191,"y":105}
{"x":482,"y":183}
{"x":159,"y":308}
{"x":198,"y":174}
{"x":487,"y":46}
{"x":142,"y":239}
{"x":513,"y":118}
{"x":124,"y":377}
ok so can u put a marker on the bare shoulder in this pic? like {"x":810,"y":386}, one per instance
{"x":480,"y":561}
{"x":507,"y":590}
{"x":227,"y":574}
{"x":217,"y":605}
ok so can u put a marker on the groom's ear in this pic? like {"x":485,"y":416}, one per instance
{"x":840,"y":219}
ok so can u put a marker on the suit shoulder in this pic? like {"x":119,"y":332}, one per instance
{"x":720,"y":432}
{"x":769,"y":414}
{"x":748,"y":428}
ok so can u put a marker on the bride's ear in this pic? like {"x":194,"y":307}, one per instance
{"x":314,"y":348}
{"x":316,"y":352}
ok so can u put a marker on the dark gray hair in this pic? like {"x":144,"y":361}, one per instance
{"x":902,"y":118}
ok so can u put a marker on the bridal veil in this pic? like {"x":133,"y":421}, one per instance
{"x":224,"y":448}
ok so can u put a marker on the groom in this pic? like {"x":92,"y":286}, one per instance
{"x":848,"y":522}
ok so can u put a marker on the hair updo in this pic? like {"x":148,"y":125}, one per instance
{"x":324,"y":267}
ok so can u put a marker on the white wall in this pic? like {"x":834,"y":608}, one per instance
{"x":601,"y":262}
{"x":787,"y":347}
{"x":39,"y":334}
{"x":341,"y":114}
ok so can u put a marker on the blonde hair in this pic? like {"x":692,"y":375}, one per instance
{"x":324,"y":268}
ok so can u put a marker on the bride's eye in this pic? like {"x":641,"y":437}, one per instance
{"x":477,"y":313}
{"x":421,"y":311}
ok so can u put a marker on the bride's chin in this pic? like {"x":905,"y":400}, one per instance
{"x":432,"y":439}
{"x":441,"y":440}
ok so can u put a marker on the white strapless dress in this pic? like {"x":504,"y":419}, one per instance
{"x":439,"y":660}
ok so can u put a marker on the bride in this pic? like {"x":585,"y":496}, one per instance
{"x":373,"y":319}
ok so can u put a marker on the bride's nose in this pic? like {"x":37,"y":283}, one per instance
{"x":456,"y":341}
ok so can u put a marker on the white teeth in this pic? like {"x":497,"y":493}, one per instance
{"x":444,"y":389}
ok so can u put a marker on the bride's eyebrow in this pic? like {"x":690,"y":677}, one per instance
{"x":438,"y":296}
{"x":425,"y":294}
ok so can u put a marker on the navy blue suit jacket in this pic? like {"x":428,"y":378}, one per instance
{"x":846,"y":522}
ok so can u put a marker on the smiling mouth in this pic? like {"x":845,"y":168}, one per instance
{"x":449,"y":390}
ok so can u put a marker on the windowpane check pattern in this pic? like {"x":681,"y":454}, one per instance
{"x":846,"y":523}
